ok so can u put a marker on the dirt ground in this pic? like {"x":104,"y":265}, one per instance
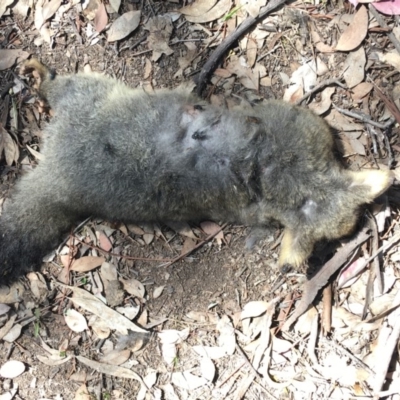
{"x":201,"y":300}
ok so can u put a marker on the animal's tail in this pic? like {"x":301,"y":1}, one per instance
{"x":32,"y":223}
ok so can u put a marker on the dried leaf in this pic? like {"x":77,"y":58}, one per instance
{"x":355,"y":32}
{"x":342,"y":123}
{"x":158,"y":291}
{"x":388,"y":7}
{"x":116,"y":357}
{"x":392,"y":58}
{"x":148,"y":68}
{"x":87,"y":263}
{"x":82,"y":393}
{"x":110,"y":369}
{"x":198,"y":7}
{"x":212,"y":352}
{"x":319,"y":44}
{"x":148,"y":238}
{"x":101,"y":18}
{"x":251,"y":52}
{"x":354,"y":67}
{"x":254,"y":309}
{"x":13,"y":334}
{"x":9,"y":57}
{"x":129,"y":312}
{"x":302,"y":80}
{"x":207,"y":369}
{"x":325,"y":103}
{"x":361,"y":90}
{"x":91,"y":303}
{"x":11,"y":369}
{"x":21,"y":7}
{"x":11,"y":151}
{"x":75,"y":321}
{"x":183,"y":228}
{"x":134,"y":287}
{"x":187,"y":380}
{"x":188,"y":245}
{"x":357,"y":146}
{"x":104,"y":241}
{"x":227,"y":338}
{"x":3,"y":6}
{"x":220,"y":9}
{"x":115,"y":4}
{"x":160,"y":29}
{"x":253,"y":6}
{"x":49,"y":9}
{"x":169,"y":338}
{"x":135,"y":229}
{"x":124,"y":25}
{"x":100,"y":328}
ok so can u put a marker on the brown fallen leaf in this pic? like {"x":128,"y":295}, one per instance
{"x":354,"y":67}
{"x":392,"y":58}
{"x":116,"y":357}
{"x":188,"y":245}
{"x":82,"y":393}
{"x":325,"y":103}
{"x":319,"y":44}
{"x":50,"y":8}
{"x":10,"y":148}
{"x":101,"y":18}
{"x":124,"y":25}
{"x":9,"y":57}
{"x":253,"y":7}
{"x":360,"y":91}
{"x":355,"y":32}
{"x":220,"y":9}
{"x":86,"y":263}
{"x":148,"y":68}
{"x":251,"y":52}
{"x":342,"y":123}
{"x":198,"y":7}
{"x":160,"y":29}
{"x":91,"y":303}
{"x":110,"y":369}
{"x":134,"y":287}
{"x":115,"y":4}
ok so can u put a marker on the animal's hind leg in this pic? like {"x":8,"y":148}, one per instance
{"x":295,"y":249}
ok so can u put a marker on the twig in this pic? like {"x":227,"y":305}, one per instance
{"x":208,"y":238}
{"x":388,"y":245}
{"x":319,"y":87}
{"x":312,"y":287}
{"x":385,"y":358}
{"x":92,"y":246}
{"x":389,"y":103}
{"x":374,"y":273}
{"x":132,"y":46}
{"x":210,"y":66}
{"x":355,"y":359}
{"x":383,"y":24}
{"x":363,"y":118}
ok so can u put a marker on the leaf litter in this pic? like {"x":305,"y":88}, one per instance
{"x":236,"y":348}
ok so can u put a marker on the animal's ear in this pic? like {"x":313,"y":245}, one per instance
{"x":373,"y":182}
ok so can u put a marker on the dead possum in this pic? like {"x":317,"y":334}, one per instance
{"x":124,"y":155}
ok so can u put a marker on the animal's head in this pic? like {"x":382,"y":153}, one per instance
{"x":333,"y":217}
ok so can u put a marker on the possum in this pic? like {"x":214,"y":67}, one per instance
{"x":125,"y":155}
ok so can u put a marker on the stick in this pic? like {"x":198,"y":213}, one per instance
{"x":210,"y":66}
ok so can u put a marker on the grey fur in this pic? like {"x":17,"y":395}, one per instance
{"x":122,"y":154}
